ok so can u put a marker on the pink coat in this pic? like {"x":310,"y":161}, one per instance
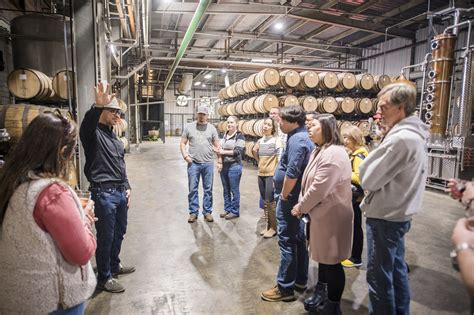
{"x":326,"y":195}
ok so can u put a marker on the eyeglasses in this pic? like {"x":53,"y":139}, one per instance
{"x":64,"y":120}
{"x":114,"y":111}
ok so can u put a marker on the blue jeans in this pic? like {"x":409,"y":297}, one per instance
{"x":387,"y":274}
{"x":111,"y":211}
{"x":75,"y":310}
{"x":293,"y":253}
{"x":230,"y":177}
{"x":195,"y":172}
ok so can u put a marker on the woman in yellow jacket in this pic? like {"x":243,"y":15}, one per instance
{"x":354,"y":142}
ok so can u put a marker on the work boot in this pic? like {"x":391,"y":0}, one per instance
{"x":208,"y":217}
{"x":265,"y":210}
{"x":320,"y":294}
{"x":328,"y":308}
{"x":192,"y":218}
{"x":275,"y":295}
{"x":271,"y":221}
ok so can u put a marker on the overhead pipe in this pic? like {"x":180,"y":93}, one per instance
{"x":201,"y":9}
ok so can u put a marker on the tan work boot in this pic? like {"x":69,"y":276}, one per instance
{"x":265,"y":210}
{"x":275,"y":295}
{"x":272,"y":228}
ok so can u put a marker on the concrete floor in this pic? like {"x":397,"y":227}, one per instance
{"x":221,"y":267}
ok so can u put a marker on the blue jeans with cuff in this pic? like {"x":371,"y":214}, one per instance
{"x":111,"y":211}
{"x":195,"y":172}
{"x":293,"y":252}
{"x":387,"y":273}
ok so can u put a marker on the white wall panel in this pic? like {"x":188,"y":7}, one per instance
{"x":391,"y":63}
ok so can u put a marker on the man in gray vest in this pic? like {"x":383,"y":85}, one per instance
{"x":200,"y":136}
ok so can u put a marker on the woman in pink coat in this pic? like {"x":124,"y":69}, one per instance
{"x":326,"y":197}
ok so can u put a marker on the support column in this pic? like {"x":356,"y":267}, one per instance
{"x":85,"y":61}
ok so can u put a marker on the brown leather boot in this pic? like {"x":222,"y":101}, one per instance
{"x":265,"y":209}
{"x":272,"y":224}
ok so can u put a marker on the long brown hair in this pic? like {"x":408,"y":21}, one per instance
{"x":44,"y":150}
{"x":330,"y":132}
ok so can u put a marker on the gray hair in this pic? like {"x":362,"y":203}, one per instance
{"x":401,"y":94}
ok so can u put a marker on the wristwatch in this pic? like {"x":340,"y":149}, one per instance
{"x":454,"y":253}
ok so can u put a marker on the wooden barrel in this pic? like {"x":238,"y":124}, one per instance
{"x":381,"y":81}
{"x":346,"y":105}
{"x":249,"y":107}
{"x":288,"y":100}
{"x":345,"y":81}
{"x":327,"y":80}
{"x":126,"y":144}
{"x":239,"y":87}
{"x":222,"y":126}
{"x":249,"y":84}
{"x":265,"y":102}
{"x":120,"y":127}
{"x":123,"y":105}
{"x":16,"y":117}
{"x":365,"y":81}
{"x":343,"y":124}
{"x":266,"y":78}
{"x":327,"y":104}
{"x":221,"y":94}
{"x":29,"y":84}
{"x":258,"y":127}
{"x":249,"y":147}
{"x":231,"y":109}
{"x":375,"y":104}
{"x":247,"y":127}
{"x":59,"y":83}
{"x":240,"y":124}
{"x":308,"y":102}
{"x":364,"y":126}
{"x":363,"y":105}
{"x":309,"y":80}
{"x":221,"y":110}
{"x":289,"y":79}
{"x":239,"y":107}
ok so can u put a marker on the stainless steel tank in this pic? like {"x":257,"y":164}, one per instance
{"x":38,"y":43}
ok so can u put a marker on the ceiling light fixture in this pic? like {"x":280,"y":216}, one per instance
{"x":279,"y":26}
{"x":264,"y":60}
{"x":208,"y":76}
{"x":223,"y":70}
{"x":197,"y":83}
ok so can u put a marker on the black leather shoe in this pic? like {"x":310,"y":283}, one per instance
{"x":328,"y":308}
{"x":320,"y":295}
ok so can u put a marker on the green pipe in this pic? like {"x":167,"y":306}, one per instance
{"x":201,"y":9}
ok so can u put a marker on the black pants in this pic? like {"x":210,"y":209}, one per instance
{"x":335,"y":278}
{"x":358,"y":239}
{"x":265,"y":185}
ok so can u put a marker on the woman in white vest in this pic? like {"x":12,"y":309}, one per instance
{"x":46,"y":239}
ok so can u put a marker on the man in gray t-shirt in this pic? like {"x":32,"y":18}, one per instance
{"x":201,"y":137}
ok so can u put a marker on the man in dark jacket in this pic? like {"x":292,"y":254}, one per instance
{"x":105,"y":171}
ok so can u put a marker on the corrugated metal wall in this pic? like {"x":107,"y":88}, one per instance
{"x":391,"y":63}
{"x":176,"y":117}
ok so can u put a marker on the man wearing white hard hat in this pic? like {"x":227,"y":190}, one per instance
{"x":109,"y":186}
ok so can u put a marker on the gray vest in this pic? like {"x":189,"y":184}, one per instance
{"x":34,"y":275}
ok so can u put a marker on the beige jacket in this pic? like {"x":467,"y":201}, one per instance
{"x":34,"y":275}
{"x":326,"y":195}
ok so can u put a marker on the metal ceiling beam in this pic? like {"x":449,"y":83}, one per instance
{"x":288,"y":40}
{"x":403,"y":8}
{"x":244,"y":9}
{"x":349,"y":23}
{"x":230,"y":64}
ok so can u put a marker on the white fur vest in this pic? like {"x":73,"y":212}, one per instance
{"x":34,"y":276}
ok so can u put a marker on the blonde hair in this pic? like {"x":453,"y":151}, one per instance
{"x":355,"y":134}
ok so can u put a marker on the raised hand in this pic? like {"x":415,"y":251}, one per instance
{"x":102,"y":96}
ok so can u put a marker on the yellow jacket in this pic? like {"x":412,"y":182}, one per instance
{"x":356,"y":160}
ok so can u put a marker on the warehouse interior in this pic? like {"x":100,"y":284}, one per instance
{"x":165,"y":58}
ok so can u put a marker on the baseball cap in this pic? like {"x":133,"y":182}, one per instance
{"x":113,"y":104}
{"x":203,"y":110}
